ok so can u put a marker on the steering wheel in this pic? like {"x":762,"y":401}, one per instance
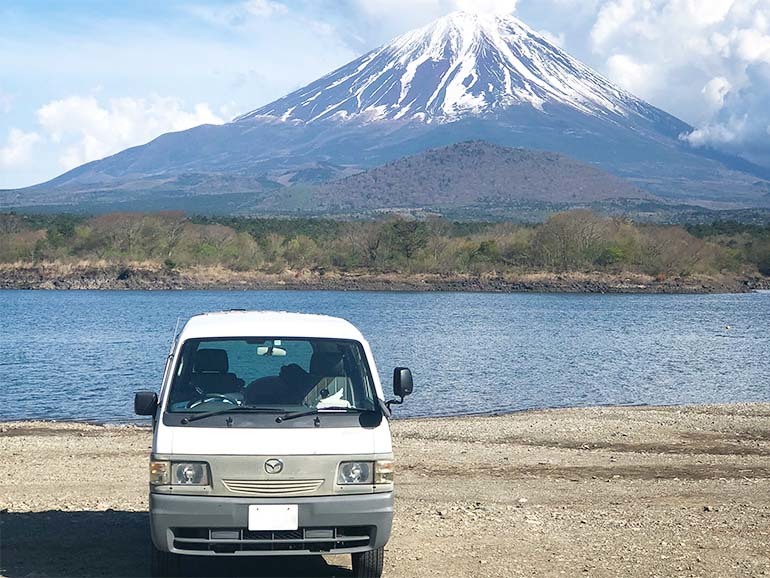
{"x":212,"y":397}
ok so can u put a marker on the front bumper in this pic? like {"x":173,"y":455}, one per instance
{"x":210,"y":525}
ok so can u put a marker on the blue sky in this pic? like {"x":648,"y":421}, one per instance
{"x":83,"y":79}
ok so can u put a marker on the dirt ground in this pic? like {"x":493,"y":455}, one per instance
{"x":603,"y":492}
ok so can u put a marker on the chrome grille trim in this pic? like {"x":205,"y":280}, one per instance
{"x":272,"y":487}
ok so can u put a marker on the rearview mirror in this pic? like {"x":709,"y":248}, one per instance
{"x":271,"y":351}
{"x":402,"y":382}
{"x":145,"y":402}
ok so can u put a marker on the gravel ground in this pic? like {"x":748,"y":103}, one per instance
{"x":580,"y":492}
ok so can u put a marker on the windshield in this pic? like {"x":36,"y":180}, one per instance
{"x":271,"y":374}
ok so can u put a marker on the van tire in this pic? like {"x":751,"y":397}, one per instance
{"x":164,"y":564}
{"x":368,"y":564}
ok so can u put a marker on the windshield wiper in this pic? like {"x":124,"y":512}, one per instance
{"x":235,"y":408}
{"x":318,"y":410}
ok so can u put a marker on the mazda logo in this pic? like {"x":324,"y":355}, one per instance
{"x":274,"y":466}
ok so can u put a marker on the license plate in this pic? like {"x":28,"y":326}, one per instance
{"x":273,"y":517}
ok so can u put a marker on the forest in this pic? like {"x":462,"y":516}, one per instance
{"x":575,"y":241}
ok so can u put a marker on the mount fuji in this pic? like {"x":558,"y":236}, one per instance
{"x":464,"y":77}
{"x":461,"y":65}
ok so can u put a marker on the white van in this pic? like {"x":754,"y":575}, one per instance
{"x":271,"y":437}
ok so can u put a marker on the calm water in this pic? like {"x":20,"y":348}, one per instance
{"x":81,"y":355}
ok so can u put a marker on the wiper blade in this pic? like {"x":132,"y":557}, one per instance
{"x":317,"y":410}
{"x":236,"y":408}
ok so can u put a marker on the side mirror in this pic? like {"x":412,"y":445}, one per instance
{"x":145,"y":402}
{"x":402,"y":382}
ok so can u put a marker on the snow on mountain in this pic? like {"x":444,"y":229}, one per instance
{"x":462,"y":64}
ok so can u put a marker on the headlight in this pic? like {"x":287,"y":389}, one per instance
{"x":356,"y":473}
{"x":179,"y":473}
{"x":375,"y":473}
{"x":190,"y":474}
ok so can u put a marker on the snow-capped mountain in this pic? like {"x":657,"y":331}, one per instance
{"x":461,"y":64}
{"x":464,"y":77}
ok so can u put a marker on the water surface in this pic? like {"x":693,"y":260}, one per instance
{"x":82,"y":354}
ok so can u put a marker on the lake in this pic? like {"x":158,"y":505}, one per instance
{"x":80,"y":355}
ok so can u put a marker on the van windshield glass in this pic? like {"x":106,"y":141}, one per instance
{"x":285,"y":374}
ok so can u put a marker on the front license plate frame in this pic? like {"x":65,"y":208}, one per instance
{"x":273,"y":517}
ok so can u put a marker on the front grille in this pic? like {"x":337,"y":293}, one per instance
{"x":234,"y":540}
{"x":272,"y":487}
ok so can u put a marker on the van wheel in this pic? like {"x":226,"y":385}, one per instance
{"x":368,"y":564}
{"x":164,"y":564}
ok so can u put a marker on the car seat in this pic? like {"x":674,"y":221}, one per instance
{"x":327,"y":369}
{"x":211,"y":374}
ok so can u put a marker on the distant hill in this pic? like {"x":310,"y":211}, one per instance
{"x":471,"y":174}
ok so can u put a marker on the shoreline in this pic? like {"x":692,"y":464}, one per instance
{"x":481,"y":415}
{"x":602,"y":491}
{"x":154,"y":277}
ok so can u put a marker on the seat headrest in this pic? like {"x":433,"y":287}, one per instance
{"x":211,"y":361}
{"x":327,"y":364}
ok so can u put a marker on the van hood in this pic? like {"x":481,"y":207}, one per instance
{"x":260,"y":441}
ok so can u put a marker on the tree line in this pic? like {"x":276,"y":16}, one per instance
{"x":573,"y":241}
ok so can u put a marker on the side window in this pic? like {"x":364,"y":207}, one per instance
{"x":362,"y":388}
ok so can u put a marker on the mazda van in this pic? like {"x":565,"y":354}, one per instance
{"x":271,"y":438}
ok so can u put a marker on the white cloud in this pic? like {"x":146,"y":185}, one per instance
{"x":88,"y":130}
{"x":434,"y":8}
{"x":716,"y":90}
{"x":612,"y":18}
{"x":739,"y":124}
{"x":18,"y":147}
{"x":380,"y":20}
{"x":717,"y":134}
{"x":487,"y":6}
{"x":751,"y":44}
{"x":698,"y":59}
{"x":630,"y":74}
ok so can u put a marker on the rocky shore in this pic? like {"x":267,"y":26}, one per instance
{"x":151,"y":276}
{"x":602,"y":492}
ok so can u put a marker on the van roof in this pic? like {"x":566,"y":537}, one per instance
{"x":240,"y":323}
